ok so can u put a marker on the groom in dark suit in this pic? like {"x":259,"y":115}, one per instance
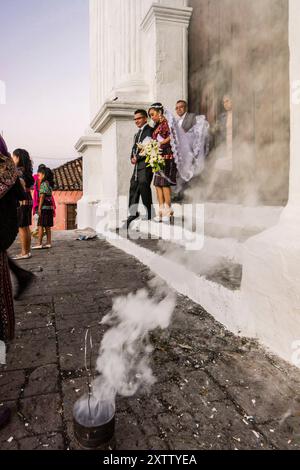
{"x":140,"y":185}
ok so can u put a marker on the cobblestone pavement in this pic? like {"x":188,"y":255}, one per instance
{"x":213,"y":390}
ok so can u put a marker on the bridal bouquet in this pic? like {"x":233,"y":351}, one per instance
{"x":153,"y":154}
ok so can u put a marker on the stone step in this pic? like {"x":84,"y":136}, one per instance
{"x":232,"y":221}
{"x":206,"y":248}
{"x":237,"y":221}
{"x":213,"y":284}
{"x":219,"y":270}
{"x":215,"y":259}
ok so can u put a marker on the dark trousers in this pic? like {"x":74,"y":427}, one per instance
{"x":18,"y":272}
{"x":140,"y":187}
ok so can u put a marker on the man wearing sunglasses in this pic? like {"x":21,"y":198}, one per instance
{"x":140,"y":184}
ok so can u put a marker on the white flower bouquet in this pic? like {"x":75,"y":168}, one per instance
{"x":153,"y":153}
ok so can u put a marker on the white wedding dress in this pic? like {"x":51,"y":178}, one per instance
{"x":190,"y":148}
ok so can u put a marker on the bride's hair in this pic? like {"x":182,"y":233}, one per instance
{"x":157,"y":107}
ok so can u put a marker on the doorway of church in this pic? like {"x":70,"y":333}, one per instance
{"x":71,"y":216}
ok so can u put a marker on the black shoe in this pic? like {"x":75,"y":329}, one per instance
{"x":24,"y":282}
{"x":5,"y":416}
{"x":178,"y":198}
{"x":131,"y":219}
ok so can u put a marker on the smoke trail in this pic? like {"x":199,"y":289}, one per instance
{"x":124,"y":358}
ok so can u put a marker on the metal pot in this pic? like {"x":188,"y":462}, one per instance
{"x":94,"y":423}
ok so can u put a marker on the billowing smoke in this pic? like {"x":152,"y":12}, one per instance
{"x":124,"y":358}
{"x":240,"y":48}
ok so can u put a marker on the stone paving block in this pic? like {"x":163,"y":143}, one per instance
{"x":72,"y":301}
{"x":31,"y":299}
{"x":42,"y":380}
{"x":32,"y":348}
{"x":144,"y":407}
{"x":45,"y":442}
{"x":285,"y":435}
{"x":207,"y":339}
{"x":43,"y":413}
{"x":35,"y":316}
{"x":73,"y":390}
{"x":177,"y":364}
{"x":16,"y":428}
{"x":71,"y":346}
{"x":198,"y":389}
{"x":74,"y":308}
{"x":260,"y":388}
{"x":64,"y":286}
{"x":11,"y":384}
{"x":107,"y":295}
{"x":128,"y":434}
{"x":187,"y":443}
{"x":224,"y":428}
{"x":171,"y":395}
{"x":155,"y":443}
{"x":12,"y":445}
{"x":78,"y":321}
{"x":73,"y":444}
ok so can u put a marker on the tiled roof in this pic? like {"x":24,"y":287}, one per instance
{"x":68,"y":177}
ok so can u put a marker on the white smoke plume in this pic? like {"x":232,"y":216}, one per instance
{"x":124,"y":358}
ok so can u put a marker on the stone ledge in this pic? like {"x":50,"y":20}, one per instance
{"x":165,"y":14}
{"x":113,"y":111}
{"x":93,"y":140}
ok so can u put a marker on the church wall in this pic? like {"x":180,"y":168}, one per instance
{"x":241,"y":47}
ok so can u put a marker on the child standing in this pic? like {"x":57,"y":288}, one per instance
{"x":45,"y":208}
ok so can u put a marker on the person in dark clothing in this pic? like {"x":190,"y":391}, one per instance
{"x":23,"y":163}
{"x":140,"y":184}
{"x":11,"y":191}
{"x":45,"y":209}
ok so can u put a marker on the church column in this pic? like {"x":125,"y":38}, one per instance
{"x":165,"y":28}
{"x":90,"y":148}
{"x":138,"y":54}
{"x":121,"y":75}
{"x":270,"y":297}
{"x":129,"y":79}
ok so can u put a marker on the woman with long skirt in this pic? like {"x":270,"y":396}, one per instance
{"x":11,"y":191}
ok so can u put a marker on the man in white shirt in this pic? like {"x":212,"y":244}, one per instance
{"x":185,"y":119}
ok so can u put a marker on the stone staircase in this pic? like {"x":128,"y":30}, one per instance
{"x":202,"y":259}
{"x":219,"y":239}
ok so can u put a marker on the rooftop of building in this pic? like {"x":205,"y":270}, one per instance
{"x":68,"y":177}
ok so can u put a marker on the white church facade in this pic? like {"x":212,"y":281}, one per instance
{"x":142,"y":51}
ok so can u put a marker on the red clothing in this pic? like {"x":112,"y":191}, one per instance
{"x":163,"y":130}
{"x":167,"y":177}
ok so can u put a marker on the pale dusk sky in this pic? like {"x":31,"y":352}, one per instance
{"x":44,"y":63}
